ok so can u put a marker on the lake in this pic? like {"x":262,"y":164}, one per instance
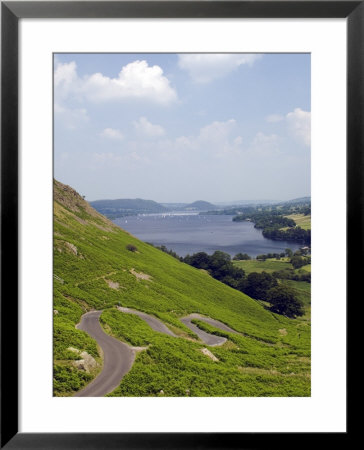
{"x":188,"y":233}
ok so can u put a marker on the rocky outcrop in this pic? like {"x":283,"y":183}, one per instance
{"x":87,"y":363}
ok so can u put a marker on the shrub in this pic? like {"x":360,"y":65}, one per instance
{"x":298,"y":262}
{"x":241,"y":257}
{"x":257,"y":285}
{"x":132,"y":248}
{"x":284,"y":302}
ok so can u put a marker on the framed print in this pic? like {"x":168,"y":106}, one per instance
{"x":180,"y":308}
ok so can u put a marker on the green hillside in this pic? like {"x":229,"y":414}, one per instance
{"x":199,"y":205}
{"x":99,"y":266}
{"x":302,"y":220}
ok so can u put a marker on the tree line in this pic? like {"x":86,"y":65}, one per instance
{"x":259,"y":286}
{"x":296,"y":234}
{"x":277,"y":227}
{"x":266,"y":219}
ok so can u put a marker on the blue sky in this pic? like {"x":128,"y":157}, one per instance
{"x":179,"y":128}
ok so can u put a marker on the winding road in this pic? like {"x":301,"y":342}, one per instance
{"x":209,"y":339}
{"x":153,"y":322}
{"x":119,"y":357}
{"x":215,"y":323}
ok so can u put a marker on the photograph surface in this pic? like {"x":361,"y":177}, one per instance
{"x":182,"y":225}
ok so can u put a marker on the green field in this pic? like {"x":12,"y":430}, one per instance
{"x":269,"y":265}
{"x":302,"y":289}
{"x":94,"y":269}
{"x":301,"y":220}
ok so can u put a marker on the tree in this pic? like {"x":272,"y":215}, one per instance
{"x":200,"y":260}
{"x":297,"y":261}
{"x":223,"y":269}
{"x":283,"y":301}
{"x":257,"y":285}
{"x":261,"y":257}
{"x":241,"y":257}
{"x":219,"y":266}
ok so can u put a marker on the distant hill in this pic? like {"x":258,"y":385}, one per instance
{"x":199,"y":205}
{"x":296,"y":201}
{"x":236,"y":203}
{"x":126,"y":207}
{"x":174,"y":206}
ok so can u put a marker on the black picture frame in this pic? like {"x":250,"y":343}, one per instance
{"x":11,"y":12}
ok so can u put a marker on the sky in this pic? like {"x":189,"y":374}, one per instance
{"x":183,"y":127}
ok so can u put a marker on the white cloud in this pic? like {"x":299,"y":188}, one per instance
{"x":106,"y":157}
{"x":214,"y":140}
{"x":204,"y":68}
{"x":265,"y":144}
{"x":272,"y":118}
{"x":136,"y":80}
{"x":299,"y":123}
{"x":144,"y":127}
{"x":218,"y":140}
{"x":71,"y":118}
{"x":65,"y":78}
{"x":110,"y":159}
{"x":217,"y":131}
{"x":261,"y":138}
{"x":110,"y":133}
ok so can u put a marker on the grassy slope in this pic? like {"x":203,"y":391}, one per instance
{"x":90,"y":251}
{"x":301,"y":220}
{"x":269,"y":265}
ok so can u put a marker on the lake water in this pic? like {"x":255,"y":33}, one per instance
{"x":192,"y":233}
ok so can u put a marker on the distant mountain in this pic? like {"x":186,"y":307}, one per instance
{"x":174,"y":206}
{"x":236,"y":203}
{"x":127,"y":207}
{"x":297,"y":201}
{"x":199,"y":205}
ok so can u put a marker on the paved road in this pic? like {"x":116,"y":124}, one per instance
{"x":157,"y":325}
{"x":213,"y":322}
{"x":118,"y":358}
{"x":209,"y":339}
{"x":153,"y":322}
